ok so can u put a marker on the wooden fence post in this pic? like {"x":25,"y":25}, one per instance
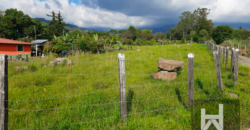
{"x":27,"y":60}
{"x":227,"y":50}
{"x":218,"y":72}
{"x":224,"y":54}
{"x":232,"y":59}
{"x":236,"y":52}
{"x":219,"y":52}
{"x":4,"y":92}
{"x":190,"y":78}
{"x":122,"y":86}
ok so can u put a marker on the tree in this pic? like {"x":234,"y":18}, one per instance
{"x":159,"y":35}
{"x":127,"y":34}
{"x":170,"y":32}
{"x":221,"y":33}
{"x":1,"y":14}
{"x":236,"y":33}
{"x":203,"y":33}
{"x":14,"y":23}
{"x":192,"y":35}
{"x":133,"y":30}
{"x":240,"y":27}
{"x":112,"y":32}
{"x":201,"y":21}
{"x":146,"y":34}
{"x":120,"y":31}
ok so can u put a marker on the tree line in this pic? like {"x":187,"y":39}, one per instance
{"x":194,"y":26}
{"x":197,"y":27}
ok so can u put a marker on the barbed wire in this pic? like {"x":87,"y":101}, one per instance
{"x":59,"y":97}
{"x":136,"y":113}
{"x":60,"y":74}
{"x":131,"y":86}
{"x":96,"y":73}
{"x":106,"y":103}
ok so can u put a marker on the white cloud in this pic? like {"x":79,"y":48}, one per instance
{"x":79,"y":15}
{"x":85,"y":16}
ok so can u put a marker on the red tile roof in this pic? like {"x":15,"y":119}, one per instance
{"x":8,"y":41}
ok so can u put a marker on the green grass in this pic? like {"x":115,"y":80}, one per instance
{"x":148,"y":107}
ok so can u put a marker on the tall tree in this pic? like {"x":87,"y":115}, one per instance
{"x":170,"y":32}
{"x":133,"y":30}
{"x":112,"y":32}
{"x":14,"y":23}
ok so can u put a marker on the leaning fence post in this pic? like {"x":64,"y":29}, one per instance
{"x":223,"y":53}
{"x":227,"y":49}
{"x":218,"y":72}
{"x":232,"y":59}
{"x":4,"y":92}
{"x":236,"y":66}
{"x":27,"y":60}
{"x":122,"y":86}
{"x":190,"y":78}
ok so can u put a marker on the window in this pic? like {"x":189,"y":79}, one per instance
{"x":19,"y":47}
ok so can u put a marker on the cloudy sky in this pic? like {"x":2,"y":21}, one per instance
{"x":123,"y":13}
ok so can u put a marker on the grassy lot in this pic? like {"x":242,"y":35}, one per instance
{"x":87,"y":94}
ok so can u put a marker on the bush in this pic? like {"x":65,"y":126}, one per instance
{"x":201,"y":39}
{"x":127,"y":42}
{"x":221,"y":33}
{"x":55,"y":54}
{"x":183,"y":40}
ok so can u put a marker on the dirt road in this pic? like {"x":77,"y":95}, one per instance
{"x":245,"y":61}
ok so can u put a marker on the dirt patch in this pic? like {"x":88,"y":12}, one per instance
{"x":233,"y":95}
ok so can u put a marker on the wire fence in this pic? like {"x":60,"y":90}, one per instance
{"x":93,"y":91}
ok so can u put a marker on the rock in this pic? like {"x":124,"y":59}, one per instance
{"x":170,"y":65}
{"x":58,"y":61}
{"x":233,"y":95}
{"x":19,"y":68}
{"x":164,"y":75}
{"x":138,"y":50}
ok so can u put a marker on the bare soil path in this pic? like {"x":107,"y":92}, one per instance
{"x":245,"y":61}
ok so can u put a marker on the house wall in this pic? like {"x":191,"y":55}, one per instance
{"x":11,"y":49}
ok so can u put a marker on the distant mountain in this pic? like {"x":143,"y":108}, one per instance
{"x":162,"y":29}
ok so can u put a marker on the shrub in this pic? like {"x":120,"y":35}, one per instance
{"x":221,"y":33}
{"x":127,"y":42}
{"x":201,"y":39}
{"x":183,"y":40}
{"x":55,"y":54}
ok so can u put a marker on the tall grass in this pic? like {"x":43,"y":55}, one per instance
{"x":87,"y":93}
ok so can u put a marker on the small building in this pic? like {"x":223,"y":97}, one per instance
{"x":13,"y":47}
{"x":159,"y":41}
{"x":39,"y":45}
